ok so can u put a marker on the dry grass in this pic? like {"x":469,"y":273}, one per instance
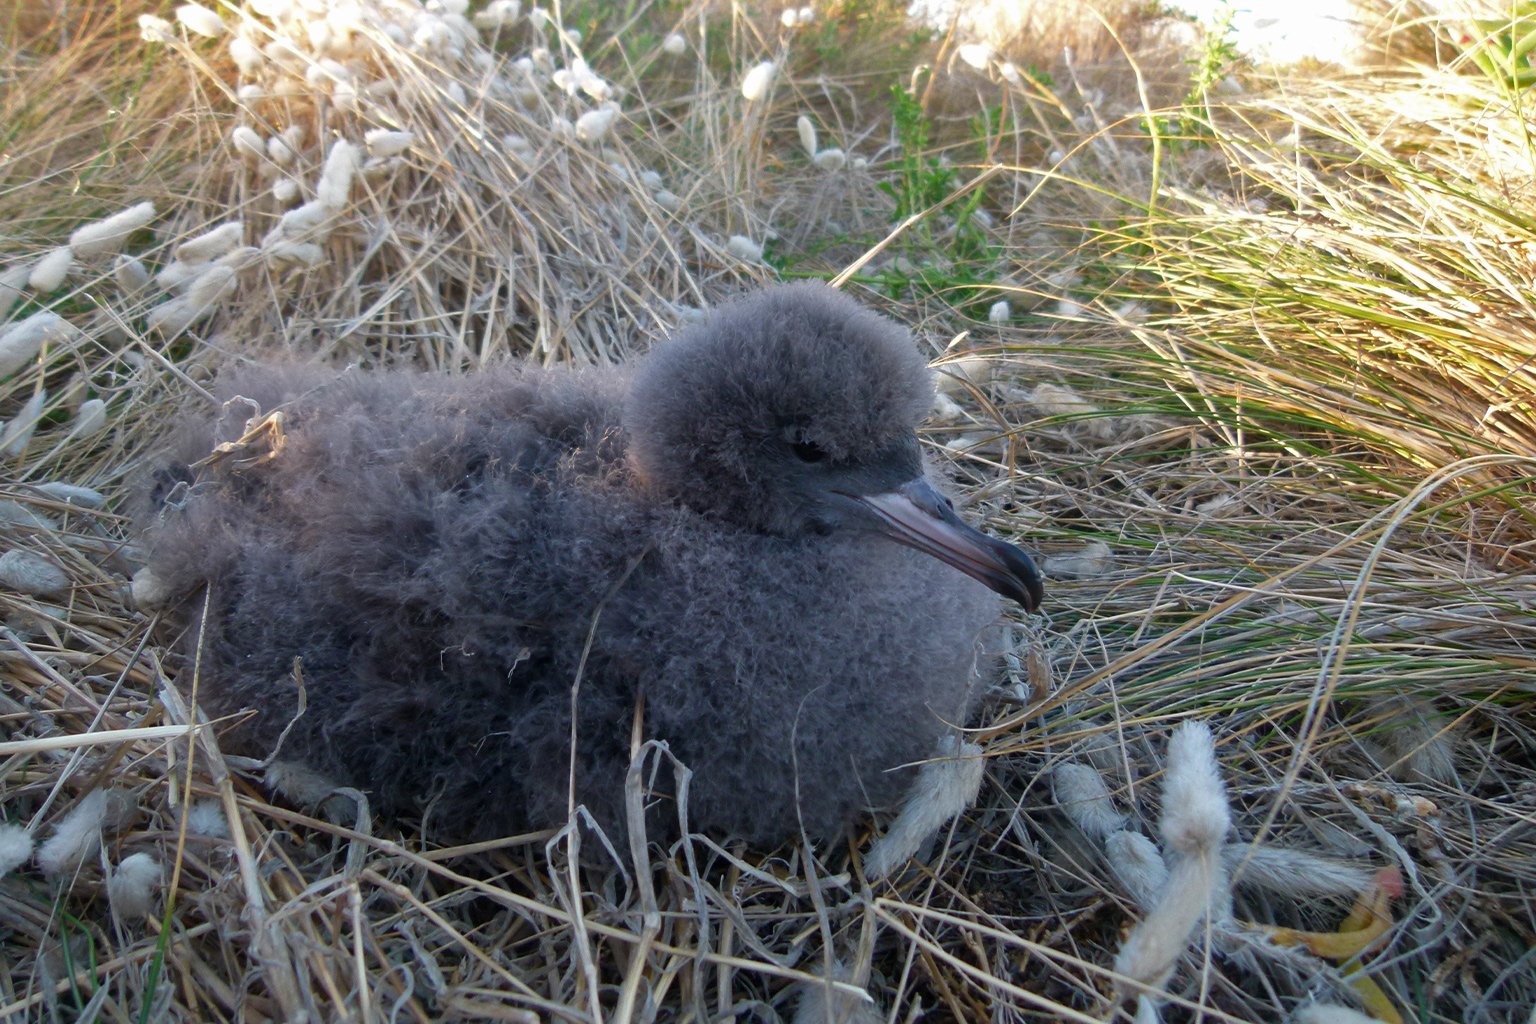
{"x":1281,"y":475}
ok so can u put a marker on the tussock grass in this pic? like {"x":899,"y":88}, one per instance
{"x":1264,"y":405}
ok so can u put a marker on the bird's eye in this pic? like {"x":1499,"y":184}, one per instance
{"x":807,"y":451}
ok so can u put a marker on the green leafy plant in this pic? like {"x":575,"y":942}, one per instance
{"x":1189,"y":126}
{"x":1503,"y":47}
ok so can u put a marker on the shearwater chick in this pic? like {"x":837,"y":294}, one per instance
{"x":736,"y":530}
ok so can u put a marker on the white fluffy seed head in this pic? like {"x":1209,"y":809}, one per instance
{"x":153,"y":29}
{"x":667,"y":200}
{"x":176,"y":275}
{"x":674,"y":45}
{"x":246,"y":55}
{"x":1137,"y":865}
{"x":107,"y":236}
{"x":201,"y":20}
{"x":31,"y":574}
{"x":944,"y":788}
{"x":12,"y":281}
{"x":383,"y":142}
{"x":743,"y":248}
{"x":650,"y":179}
{"x":134,"y":886}
{"x":322,"y":35}
{"x":15,"y":848}
{"x":1195,"y":887}
{"x":18,"y":432}
{"x":1091,"y":561}
{"x":1293,"y":873}
{"x":75,"y":837}
{"x":518,"y":146}
{"x":1059,"y":400}
{"x":303,"y":222}
{"x":247,"y":143}
{"x":831,"y":159}
{"x":170,"y":318}
{"x":72,"y":494}
{"x":956,"y":376}
{"x":49,"y":272}
{"x":1000,"y":313}
{"x":130,"y":274}
{"x":239,"y":257}
{"x":210,"y":245}
{"x":21,"y":342}
{"x":211,"y":287}
{"x":91,"y":418}
{"x":594,"y":125}
{"x":807,"y":133}
{"x":1084,"y":798}
{"x":1195,"y":817}
{"x":279,"y":152}
{"x":498,"y":14}
{"x":977,"y":55}
{"x":285,"y":190}
{"x":335,"y":186}
{"x":378,"y":168}
{"x":1332,"y":1013}
{"x":15,"y":513}
{"x":287,"y":252}
{"x":756,"y":83}
{"x":946,"y":410}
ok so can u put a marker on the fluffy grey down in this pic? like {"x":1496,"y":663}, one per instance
{"x":432,"y":550}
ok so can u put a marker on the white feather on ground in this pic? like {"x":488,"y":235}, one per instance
{"x":944,"y":788}
{"x":817,"y":1002}
{"x":76,"y":836}
{"x":206,"y":818}
{"x":15,"y":848}
{"x":134,"y":885}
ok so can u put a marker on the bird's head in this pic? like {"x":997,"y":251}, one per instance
{"x":793,"y":411}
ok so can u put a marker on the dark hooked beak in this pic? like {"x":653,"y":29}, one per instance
{"x":918,"y":516}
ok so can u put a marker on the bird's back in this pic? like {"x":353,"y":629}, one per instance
{"x":408,"y":549}
{"x":437,"y":561}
